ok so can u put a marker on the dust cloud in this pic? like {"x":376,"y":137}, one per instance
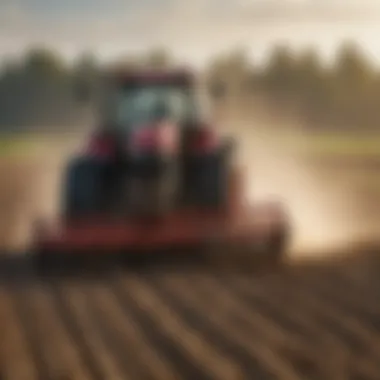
{"x":32,"y":189}
{"x":322,"y":213}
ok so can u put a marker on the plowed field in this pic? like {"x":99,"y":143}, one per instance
{"x":303,"y":322}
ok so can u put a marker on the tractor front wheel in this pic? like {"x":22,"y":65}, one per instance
{"x":83,"y":188}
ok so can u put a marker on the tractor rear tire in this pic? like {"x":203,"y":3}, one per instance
{"x":210,"y":174}
{"x":45,"y":263}
{"x":83,"y":193}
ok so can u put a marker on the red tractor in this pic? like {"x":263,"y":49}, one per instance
{"x":155,"y":175}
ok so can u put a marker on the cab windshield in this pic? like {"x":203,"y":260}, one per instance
{"x":140,"y":105}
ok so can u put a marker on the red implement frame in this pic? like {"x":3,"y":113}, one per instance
{"x":182,"y":228}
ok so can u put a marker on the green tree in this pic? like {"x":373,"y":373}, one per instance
{"x":281,"y":71}
{"x":352,"y":81}
{"x":43,"y":63}
{"x":157,"y":58}
{"x":311,"y":86}
{"x":36,"y":92}
{"x":85,"y":76}
{"x":352,"y":69}
{"x":229,"y":74}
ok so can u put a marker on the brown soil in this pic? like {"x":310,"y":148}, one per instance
{"x":309,"y":321}
{"x":19,"y":200}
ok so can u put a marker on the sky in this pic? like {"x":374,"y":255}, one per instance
{"x":193,"y":29}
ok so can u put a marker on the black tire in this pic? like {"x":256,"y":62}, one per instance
{"x":43,"y":263}
{"x":49,"y":264}
{"x":210,"y":177}
{"x":83,"y":187}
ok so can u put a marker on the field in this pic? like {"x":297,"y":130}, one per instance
{"x":306,"y":321}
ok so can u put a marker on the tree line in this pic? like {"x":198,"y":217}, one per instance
{"x":37,"y":91}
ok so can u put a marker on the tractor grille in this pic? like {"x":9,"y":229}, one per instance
{"x":151,"y":196}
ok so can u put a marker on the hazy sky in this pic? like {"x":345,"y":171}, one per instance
{"x":193,"y":28}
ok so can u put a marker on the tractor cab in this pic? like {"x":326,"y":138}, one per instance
{"x":132,"y":102}
{"x":165,"y":107}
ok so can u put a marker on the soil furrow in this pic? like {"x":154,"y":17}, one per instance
{"x":202,"y":360}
